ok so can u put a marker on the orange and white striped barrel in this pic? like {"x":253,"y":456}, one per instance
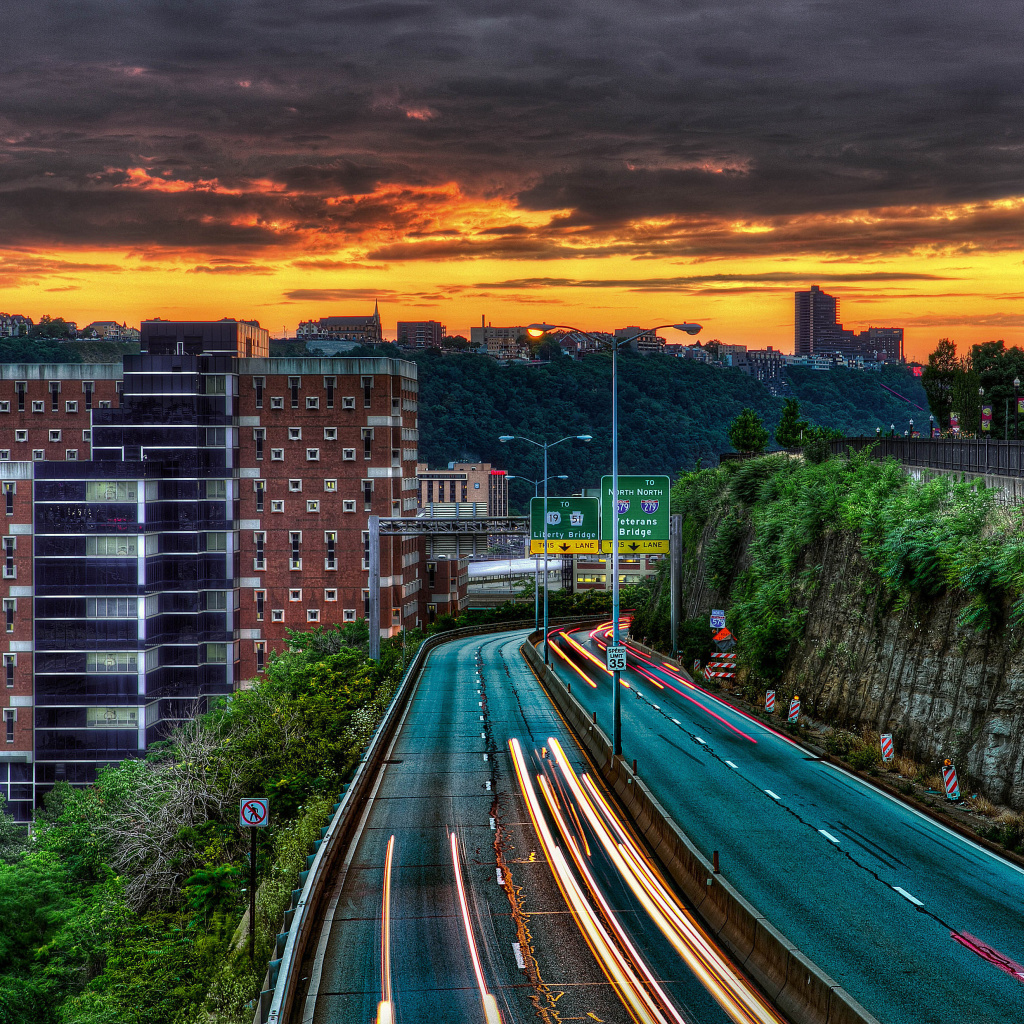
{"x":769,"y":701}
{"x":794,"y":709}
{"x":950,"y":782}
{"x":887,"y":752}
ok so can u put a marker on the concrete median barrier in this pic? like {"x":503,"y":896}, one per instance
{"x":794,"y":984}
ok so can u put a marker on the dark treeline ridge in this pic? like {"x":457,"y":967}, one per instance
{"x":673,"y":412}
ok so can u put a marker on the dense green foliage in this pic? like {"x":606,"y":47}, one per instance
{"x":747,"y":433}
{"x":673,"y":412}
{"x":36,"y":350}
{"x":790,"y":431}
{"x":766,"y":522}
{"x":124,"y":907}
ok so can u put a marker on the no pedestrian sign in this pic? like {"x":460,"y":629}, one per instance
{"x":643,"y":514}
{"x":254,"y":812}
{"x":572,"y":524}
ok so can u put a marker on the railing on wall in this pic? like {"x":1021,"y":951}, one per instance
{"x":963,"y":455}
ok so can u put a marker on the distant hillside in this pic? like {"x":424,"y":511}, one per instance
{"x":673,"y":412}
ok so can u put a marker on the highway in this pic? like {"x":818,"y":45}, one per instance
{"x":917,"y":923}
{"x":447,"y":906}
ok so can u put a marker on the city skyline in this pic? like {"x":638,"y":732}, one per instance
{"x":705,"y":166}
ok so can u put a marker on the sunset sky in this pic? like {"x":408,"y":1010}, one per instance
{"x":600,"y":163}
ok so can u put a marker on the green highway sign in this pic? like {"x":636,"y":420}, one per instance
{"x":573,"y":525}
{"x":644,"y":505}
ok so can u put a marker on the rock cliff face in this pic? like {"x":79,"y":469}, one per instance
{"x":899,"y":665}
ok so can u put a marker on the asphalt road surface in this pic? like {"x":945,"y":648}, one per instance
{"x":873,"y":892}
{"x":451,"y":773}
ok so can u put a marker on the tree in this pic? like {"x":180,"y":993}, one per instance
{"x":51,"y":327}
{"x":965,"y":400}
{"x":939,"y":378}
{"x":747,"y":433}
{"x":789,"y":433}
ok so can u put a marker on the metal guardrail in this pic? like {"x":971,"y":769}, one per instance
{"x":276,"y":1001}
{"x":956,"y":455}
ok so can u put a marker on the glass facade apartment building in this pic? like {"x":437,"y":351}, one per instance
{"x":168,"y":518}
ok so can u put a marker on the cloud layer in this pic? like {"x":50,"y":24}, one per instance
{"x":398,"y":131}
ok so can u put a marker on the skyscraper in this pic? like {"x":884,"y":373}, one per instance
{"x":817,"y":326}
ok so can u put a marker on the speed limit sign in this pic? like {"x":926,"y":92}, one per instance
{"x":616,"y":659}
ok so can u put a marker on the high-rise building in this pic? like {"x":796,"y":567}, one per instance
{"x":420,"y":333}
{"x":170,"y":516}
{"x":816,"y":320}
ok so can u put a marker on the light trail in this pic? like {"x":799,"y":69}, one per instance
{"x":490,"y":1005}
{"x":617,"y":969}
{"x":572,"y":664}
{"x":727,"y":986}
{"x":385,"y":1008}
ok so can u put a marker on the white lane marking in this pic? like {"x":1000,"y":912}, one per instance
{"x":655,"y":706}
{"x":774,"y":796}
{"x":485,"y":757}
{"x":517,"y":951}
{"x":487,"y":785}
{"x":731,"y":765}
{"x":483,"y":735}
{"x":699,"y":740}
{"x":828,"y":835}
{"x":906,"y":895}
{"x":501,"y":881}
{"x":481,"y":718}
{"x":492,"y":824}
{"x":676,"y":720}
{"x":480,"y":703}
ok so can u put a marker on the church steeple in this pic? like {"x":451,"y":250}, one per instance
{"x":376,"y":311}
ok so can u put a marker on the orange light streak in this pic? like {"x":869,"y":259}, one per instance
{"x":385,"y":1008}
{"x":490,"y":1005}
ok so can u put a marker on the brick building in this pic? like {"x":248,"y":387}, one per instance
{"x":420,"y":333}
{"x":170,"y":516}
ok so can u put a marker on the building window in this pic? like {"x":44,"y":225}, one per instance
{"x":10,"y":569}
{"x":294,"y":595}
{"x":38,"y":455}
{"x":71,"y":406}
{"x":10,"y":660}
{"x":88,"y":387}
{"x":330,"y":595}
{"x":5,"y":454}
{"x":330,"y":433}
{"x":55,"y":435}
{"x":295,"y":486}
{"x":294,"y":383}
{"x":348,"y":506}
{"x":111,"y":607}
{"x":118,"y":717}
{"x":21,"y":435}
{"x":260,"y":487}
{"x":331,"y":486}
{"x":367,"y":391}
{"x":348,"y":454}
{"x":366,"y":605}
{"x":215,"y":490}
{"x":216,"y":654}
{"x":329,"y":385}
{"x":10,"y":606}
{"x":313,"y":505}
{"x":260,"y":540}
{"x":54,"y":395}
{"x":86,"y":437}
{"x":217,"y":542}
{"x":215,"y":384}
{"x":104,"y":405}
{"x":277,"y":615}
{"x":216,"y":437}
{"x":259,"y":435}
{"x":348,"y":403}
{"x":367,"y":435}
{"x":366,"y":549}
{"x":119,"y":662}
{"x":331,"y":543}
{"x":70,"y":454}
{"x":260,"y":597}
{"x":216,"y":600}
{"x":295,"y":433}
{"x":38,"y":406}
{"x":312,"y":403}
{"x":259,"y":383}
{"x":312,"y":454}
{"x":10,"y":489}
{"x":277,"y":505}
{"x":115,"y":545}
{"x":5,"y":406}
{"x":349,"y":615}
{"x":295,"y":543}
{"x":276,"y":402}
{"x":111,"y":490}
{"x":10,"y":717}
{"x":260,"y":647}
{"x":277,"y":455}
{"x":19,"y":389}
{"x":367,"y":495}
{"x":312,"y":614}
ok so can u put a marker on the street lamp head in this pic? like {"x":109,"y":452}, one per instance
{"x":562,"y":476}
{"x":689,"y":328}
{"x":506,"y":438}
{"x":537,"y":330}
{"x":981,"y":391}
{"x":584,"y":437}
{"x":1016,"y":382}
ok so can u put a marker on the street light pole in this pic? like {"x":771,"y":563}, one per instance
{"x":1016,"y":408}
{"x":504,"y":439}
{"x":536,"y":330}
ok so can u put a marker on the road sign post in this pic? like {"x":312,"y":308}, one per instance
{"x":640,"y":519}
{"x":675,"y":565}
{"x":253,"y":813}
{"x":717,"y":618}
{"x":573,"y":525}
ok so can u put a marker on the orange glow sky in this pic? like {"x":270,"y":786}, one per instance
{"x":464,"y":160}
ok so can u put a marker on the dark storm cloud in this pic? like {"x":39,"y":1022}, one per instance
{"x":680,"y":115}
